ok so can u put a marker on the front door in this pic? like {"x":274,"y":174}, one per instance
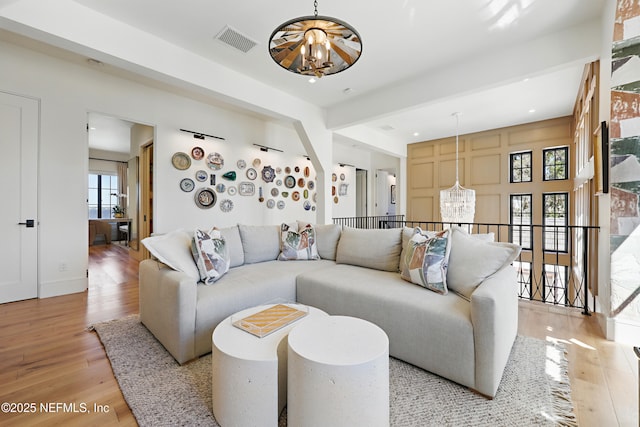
{"x":19,"y":122}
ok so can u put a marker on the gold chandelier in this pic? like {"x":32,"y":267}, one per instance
{"x":457,"y":204}
{"x":315,"y":45}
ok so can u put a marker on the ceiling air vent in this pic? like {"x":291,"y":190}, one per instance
{"x":387,"y":127}
{"x":234,"y":39}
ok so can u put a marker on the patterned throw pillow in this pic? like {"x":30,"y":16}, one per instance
{"x":425,"y":260}
{"x":298,"y":245}
{"x":211,"y":254}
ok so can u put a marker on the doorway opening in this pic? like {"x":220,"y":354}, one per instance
{"x":118,"y":183}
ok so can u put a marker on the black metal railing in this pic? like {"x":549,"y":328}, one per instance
{"x":556,"y":266}
{"x":381,"y":221}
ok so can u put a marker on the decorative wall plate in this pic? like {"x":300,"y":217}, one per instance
{"x":252,"y":174}
{"x":278,"y":182}
{"x":181,"y":161}
{"x":301,"y":182}
{"x":287,"y":170}
{"x":231,"y":175}
{"x":232,"y":190}
{"x":297,"y":169}
{"x":307,"y":205}
{"x":305,"y":194}
{"x":187,"y":184}
{"x":280,"y":204}
{"x":202,"y":175}
{"x":246,"y":189}
{"x":306,"y":171}
{"x":220,"y":188}
{"x":285,"y":194}
{"x":275,"y":192}
{"x":342,"y":177}
{"x":271,"y":203}
{"x":342,"y":191}
{"x":215,"y":161}
{"x":311,"y":185}
{"x":334,"y":177}
{"x":295,"y":196}
{"x":268,"y":174}
{"x":333,"y":190}
{"x":256,"y":162}
{"x":289,"y":181}
{"x":226,"y":205}
{"x":278,"y":170}
{"x":197,"y":153}
{"x":241,"y":164}
{"x":335,"y":200}
{"x":205,"y":198}
{"x":315,"y":197}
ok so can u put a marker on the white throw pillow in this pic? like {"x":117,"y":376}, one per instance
{"x":174,"y":250}
{"x":472,"y":260}
{"x":298,"y":245}
{"x":211,"y":254}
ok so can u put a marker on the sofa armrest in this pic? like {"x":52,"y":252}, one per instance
{"x":494,"y":314}
{"x":168,"y":307}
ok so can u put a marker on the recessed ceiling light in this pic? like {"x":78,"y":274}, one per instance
{"x":347,"y":91}
{"x":526,"y":79}
{"x":416,"y":133}
{"x":312,"y":80}
{"x":532,"y":110}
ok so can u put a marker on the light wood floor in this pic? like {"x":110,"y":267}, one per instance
{"x":48,"y":357}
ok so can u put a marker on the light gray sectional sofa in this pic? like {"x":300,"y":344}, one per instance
{"x":465,"y":335}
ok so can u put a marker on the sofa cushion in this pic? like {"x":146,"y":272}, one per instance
{"x":298,"y":245}
{"x":425,"y":329}
{"x":260,"y":242}
{"x":211,"y":254}
{"x":327,"y":236}
{"x":234,"y":244}
{"x":472,"y":260}
{"x":174,"y":250}
{"x":425,"y":260}
{"x":377,"y":249}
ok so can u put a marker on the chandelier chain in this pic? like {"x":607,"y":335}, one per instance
{"x":457,"y":124}
{"x":315,"y":6}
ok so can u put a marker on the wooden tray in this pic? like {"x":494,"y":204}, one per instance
{"x":269,"y":320}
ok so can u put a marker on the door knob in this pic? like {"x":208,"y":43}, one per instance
{"x":30,"y":223}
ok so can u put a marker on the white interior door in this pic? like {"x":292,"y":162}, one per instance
{"x":19,"y":122}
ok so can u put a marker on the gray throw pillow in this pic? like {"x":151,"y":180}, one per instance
{"x":260,"y":242}
{"x":377,"y":249}
{"x":234,"y":243}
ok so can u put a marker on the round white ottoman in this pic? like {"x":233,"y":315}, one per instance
{"x":249,"y":374}
{"x":338,"y":373}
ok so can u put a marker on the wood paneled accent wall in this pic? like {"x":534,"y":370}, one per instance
{"x":484,"y":167}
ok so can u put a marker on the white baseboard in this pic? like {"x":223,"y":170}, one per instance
{"x":624,"y":331}
{"x":62,"y":287}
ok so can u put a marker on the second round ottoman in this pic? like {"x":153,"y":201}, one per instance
{"x":338,"y":373}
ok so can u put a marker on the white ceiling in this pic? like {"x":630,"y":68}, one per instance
{"x":401,"y":85}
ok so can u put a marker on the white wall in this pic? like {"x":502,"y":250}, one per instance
{"x":68,"y":91}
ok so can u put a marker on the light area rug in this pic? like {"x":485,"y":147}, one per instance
{"x":534,"y":390}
